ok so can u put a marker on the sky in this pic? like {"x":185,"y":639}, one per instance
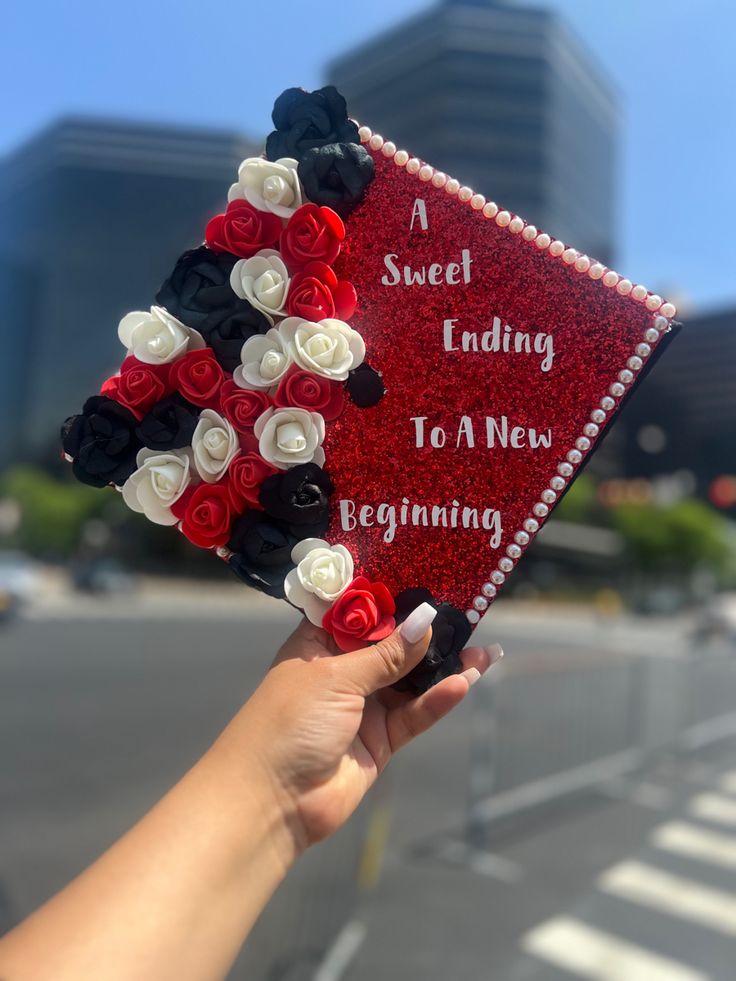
{"x":220,"y":63}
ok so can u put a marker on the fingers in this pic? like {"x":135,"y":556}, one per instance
{"x":416,"y":716}
{"x":375,"y":667}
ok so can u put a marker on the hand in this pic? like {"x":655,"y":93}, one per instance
{"x":324,"y":727}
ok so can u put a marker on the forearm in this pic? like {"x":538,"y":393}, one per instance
{"x":176,"y":896}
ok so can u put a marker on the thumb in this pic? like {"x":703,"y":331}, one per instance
{"x":384,"y":663}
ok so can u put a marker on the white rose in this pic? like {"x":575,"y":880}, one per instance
{"x":322,"y":574}
{"x":157,"y":337}
{"x":269,"y":185}
{"x":214,"y":443}
{"x":263,"y":281}
{"x":265,"y":360}
{"x":159,"y":481}
{"x":330,"y":348}
{"x":288,"y":437}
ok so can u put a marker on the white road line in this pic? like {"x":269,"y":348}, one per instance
{"x":341,"y":953}
{"x":573,"y":946}
{"x":695,"y":842}
{"x":728,"y":782}
{"x":673,"y":894}
{"x":714,"y":807}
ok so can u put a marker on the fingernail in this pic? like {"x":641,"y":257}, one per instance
{"x":417,"y":623}
{"x":494,"y":652}
{"x":472,"y":674}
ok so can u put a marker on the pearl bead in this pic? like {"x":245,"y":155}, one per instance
{"x":569,"y":256}
{"x":617,"y":390}
{"x":639,"y":292}
{"x":490,"y":210}
{"x":583,"y":443}
{"x":624,"y":286}
{"x":668,"y":310}
{"x":541,"y":510}
{"x":465,"y":194}
{"x":497,"y":577}
{"x":607,"y":403}
{"x":529,"y":233}
{"x":477,"y":201}
{"x":590,"y":429}
{"x":452,"y":186}
{"x":413,"y":165}
{"x":596,"y":270}
{"x":598,"y":415}
{"x":565,"y":469}
{"x":651,"y":334}
{"x":488,"y":589}
{"x":643,"y":350}
{"x":375,"y":142}
{"x":661,"y":323}
{"x":425,"y":173}
{"x":557,"y":247}
{"x":582,"y":264}
{"x":542,"y":241}
{"x":401,"y":158}
{"x":480,"y":603}
{"x":505,"y":565}
{"x":654,"y":302}
{"x":472,"y":615}
{"x":574,"y":456}
{"x":557,"y":483}
{"x":531,"y":525}
{"x":521,"y":537}
{"x":513,"y":551}
{"x":548,"y":496}
{"x":610,"y":279}
{"x":516,"y":225}
{"x":439,"y":179}
{"x":223,"y":553}
{"x":389,"y":149}
{"x":503,"y":218}
{"x":635,"y":362}
{"x":364,"y":133}
{"x":625,"y":376}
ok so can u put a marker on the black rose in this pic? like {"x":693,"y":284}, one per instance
{"x":198,"y":292}
{"x":365,"y":386}
{"x":305,"y":120}
{"x":300,"y":497}
{"x":101,"y":441}
{"x":169,"y":425}
{"x":450,"y":633}
{"x":336,"y":175}
{"x":262,"y":552}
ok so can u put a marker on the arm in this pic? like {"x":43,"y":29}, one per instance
{"x":176,"y":897}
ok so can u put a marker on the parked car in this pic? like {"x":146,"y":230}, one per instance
{"x":718,"y":618}
{"x":19,"y":578}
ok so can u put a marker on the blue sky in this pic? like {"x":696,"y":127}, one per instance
{"x":222,"y":62}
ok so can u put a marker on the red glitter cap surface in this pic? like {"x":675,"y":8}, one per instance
{"x":372,"y":454}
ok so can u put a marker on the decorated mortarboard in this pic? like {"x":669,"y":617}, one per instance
{"x":369,"y":387}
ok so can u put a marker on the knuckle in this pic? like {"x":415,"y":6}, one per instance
{"x":391,"y":652}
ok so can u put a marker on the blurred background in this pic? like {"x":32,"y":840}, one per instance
{"x":577,"y":817}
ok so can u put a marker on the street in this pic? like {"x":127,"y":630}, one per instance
{"x":103,"y":705}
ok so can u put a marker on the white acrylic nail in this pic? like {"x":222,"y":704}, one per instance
{"x":417,"y":623}
{"x":494,"y":652}
{"x":472,"y":675}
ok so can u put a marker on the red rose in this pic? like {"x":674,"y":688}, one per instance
{"x":242,"y":230}
{"x":362,"y":615}
{"x":315,"y":293}
{"x":313,"y":233}
{"x":242,"y":406}
{"x":246,"y":474}
{"x":138,"y":386}
{"x":305,"y":390}
{"x":198,"y":377}
{"x":205,"y":514}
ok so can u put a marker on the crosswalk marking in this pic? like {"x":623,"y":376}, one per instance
{"x":695,"y":842}
{"x":728,"y":782}
{"x":673,"y":894}
{"x":580,"y":949}
{"x":714,"y":807}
